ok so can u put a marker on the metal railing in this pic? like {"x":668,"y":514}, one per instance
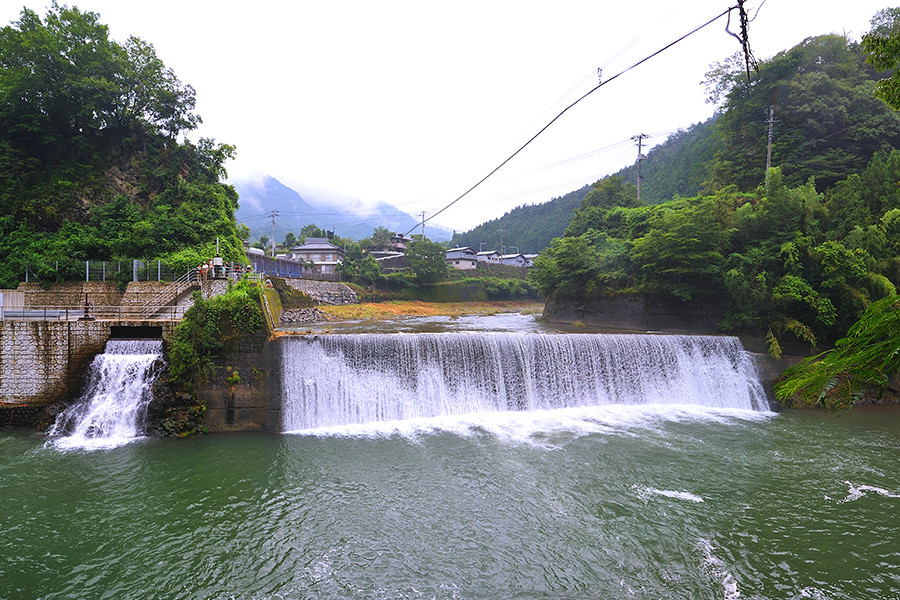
{"x":171,"y":292}
{"x":96,"y":313}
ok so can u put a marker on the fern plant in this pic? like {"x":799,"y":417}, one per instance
{"x":858,"y":367}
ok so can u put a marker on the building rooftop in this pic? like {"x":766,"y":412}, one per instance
{"x":316,"y":245}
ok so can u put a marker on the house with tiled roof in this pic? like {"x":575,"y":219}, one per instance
{"x":320,"y":252}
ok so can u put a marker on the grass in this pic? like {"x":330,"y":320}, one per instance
{"x":415,"y":308}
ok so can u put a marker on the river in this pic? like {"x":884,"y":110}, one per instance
{"x":635,"y":500}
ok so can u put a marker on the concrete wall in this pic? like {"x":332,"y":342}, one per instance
{"x":42,"y":362}
{"x":626,"y":312}
{"x":253,"y":403}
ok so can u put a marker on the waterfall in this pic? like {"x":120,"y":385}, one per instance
{"x":112,"y":409}
{"x":354,"y":379}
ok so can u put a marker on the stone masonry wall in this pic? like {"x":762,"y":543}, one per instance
{"x":244,"y":391}
{"x":42,"y":362}
{"x":324,"y":292}
{"x":70,"y":294}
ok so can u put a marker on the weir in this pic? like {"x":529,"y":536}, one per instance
{"x":113,"y":407}
{"x":363,"y":378}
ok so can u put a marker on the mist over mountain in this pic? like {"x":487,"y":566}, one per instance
{"x":347,"y":217}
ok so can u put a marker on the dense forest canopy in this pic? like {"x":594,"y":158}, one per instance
{"x":826,"y":123}
{"x":94,"y":162}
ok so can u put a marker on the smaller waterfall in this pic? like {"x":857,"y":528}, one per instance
{"x":113,"y":407}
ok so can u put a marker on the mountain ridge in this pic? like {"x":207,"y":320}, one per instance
{"x":260,"y":196}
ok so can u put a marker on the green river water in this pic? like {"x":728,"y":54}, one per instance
{"x":606,"y":502}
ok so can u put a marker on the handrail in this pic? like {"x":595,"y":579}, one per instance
{"x":161,"y":299}
{"x":78,"y":312}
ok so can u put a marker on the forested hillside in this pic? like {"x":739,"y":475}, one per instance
{"x":527,"y":228}
{"x":797,"y":255}
{"x":94,"y":164}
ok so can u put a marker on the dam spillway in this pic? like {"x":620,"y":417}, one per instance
{"x":335,"y":380}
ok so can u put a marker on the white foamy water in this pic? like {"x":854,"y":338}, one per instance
{"x":718,"y":569}
{"x":647,"y":492}
{"x":340,"y":380}
{"x":536,"y":427}
{"x":112,"y":409}
{"x":855,"y":492}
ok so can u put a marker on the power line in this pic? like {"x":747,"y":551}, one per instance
{"x":739,"y":6}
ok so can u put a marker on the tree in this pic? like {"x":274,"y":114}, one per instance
{"x":426,"y":259}
{"x":93,"y":164}
{"x":567,"y":268}
{"x":313,"y":231}
{"x":381,"y":238}
{"x":882,"y":44}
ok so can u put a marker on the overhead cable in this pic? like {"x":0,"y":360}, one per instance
{"x":588,"y":93}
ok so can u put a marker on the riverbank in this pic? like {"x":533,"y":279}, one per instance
{"x":414,"y":308}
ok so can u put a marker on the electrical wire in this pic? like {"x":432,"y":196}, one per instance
{"x":566,"y":109}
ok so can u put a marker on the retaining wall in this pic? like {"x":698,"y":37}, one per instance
{"x":251,"y":400}
{"x":42,"y":362}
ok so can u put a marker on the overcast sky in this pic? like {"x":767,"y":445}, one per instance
{"x":413,"y":102}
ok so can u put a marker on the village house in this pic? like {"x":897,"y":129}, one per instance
{"x":517,"y":260}
{"x":463,"y":258}
{"x":489,"y":256}
{"x":320,"y":252}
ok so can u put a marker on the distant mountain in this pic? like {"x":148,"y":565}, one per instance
{"x":525,"y":229}
{"x":259,"y":197}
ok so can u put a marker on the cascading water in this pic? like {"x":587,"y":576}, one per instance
{"x":112,"y":409}
{"x":355,"y":379}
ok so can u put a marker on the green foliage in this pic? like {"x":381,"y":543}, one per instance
{"x":381,"y":238}
{"x":858,"y":367}
{"x":829,"y":123}
{"x":426,"y":260}
{"x":568,"y":267}
{"x":882,"y":44}
{"x":682,"y":254}
{"x":93,"y":164}
{"x":206,"y":326}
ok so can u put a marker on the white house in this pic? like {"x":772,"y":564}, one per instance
{"x":463,"y":258}
{"x":517,"y":260}
{"x":319,"y":251}
{"x":490,"y":256}
{"x":529,"y":259}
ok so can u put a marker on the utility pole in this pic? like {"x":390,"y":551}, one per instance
{"x":274,"y":214}
{"x":639,"y":138}
{"x":423,"y":225}
{"x":501,"y":241}
{"x":769,"y":148}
